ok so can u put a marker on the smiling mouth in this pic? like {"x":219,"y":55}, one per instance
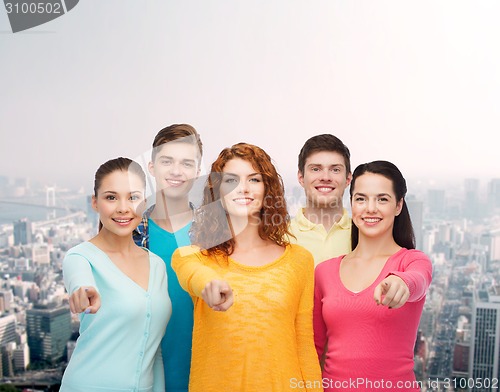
{"x":123,"y":221}
{"x":243,"y":201}
{"x":175,"y":182}
{"x":324,"y":189}
{"x":372,"y":220}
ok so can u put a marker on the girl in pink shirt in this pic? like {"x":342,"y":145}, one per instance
{"x":368,"y":303}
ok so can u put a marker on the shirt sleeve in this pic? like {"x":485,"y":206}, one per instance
{"x":416,"y":272}
{"x":308,"y":360}
{"x":191,"y":270}
{"x":77,"y":272}
{"x":320,"y":330}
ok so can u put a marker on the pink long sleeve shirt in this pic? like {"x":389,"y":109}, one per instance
{"x":369,"y":347}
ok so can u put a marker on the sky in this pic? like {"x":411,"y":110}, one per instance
{"x":415,"y":83}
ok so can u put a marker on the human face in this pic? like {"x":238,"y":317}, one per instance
{"x":242,"y":189}
{"x":175,"y":168}
{"x":324,"y":179}
{"x":374,"y":205}
{"x":120,"y":202}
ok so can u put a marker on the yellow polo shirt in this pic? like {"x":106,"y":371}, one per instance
{"x":322,"y":244}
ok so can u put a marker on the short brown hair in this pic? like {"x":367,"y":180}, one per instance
{"x":184,"y":133}
{"x":325,"y":142}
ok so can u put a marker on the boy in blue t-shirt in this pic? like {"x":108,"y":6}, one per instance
{"x":175,"y":165}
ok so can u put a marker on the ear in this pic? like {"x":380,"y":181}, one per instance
{"x":300,"y":177}
{"x":349,"y":179}
{"x":94,"y":203}
{"x":399,"y":206}
{"x":151,"y":168}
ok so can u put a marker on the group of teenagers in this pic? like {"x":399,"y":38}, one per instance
{"x":234,"y":295}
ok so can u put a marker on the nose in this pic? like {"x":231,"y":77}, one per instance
{"x":242,"y":187}
{"x":372,"y":205}
{"x":123,"y":206}
{"x":175,"y":169}
{"x":326,"y":175}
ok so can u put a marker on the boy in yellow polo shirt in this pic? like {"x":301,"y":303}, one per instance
{"x":323,"y":226}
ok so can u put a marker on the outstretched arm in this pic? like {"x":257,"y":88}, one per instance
{"x":200,"y":280}
{"x":408,"y":285}
{"x":80,"y":284}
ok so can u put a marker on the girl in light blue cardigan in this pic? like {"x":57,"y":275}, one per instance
{"x":120,"y":291}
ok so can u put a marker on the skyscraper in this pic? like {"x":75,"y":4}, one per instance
{"x":7,"y":329}
{"x":22,"y":232}
{"x":472,"y":207}
{"x":436,"y":202}
{"x":494,"y":195}
{"x":7,"y":343}
{"x":484,"y":356}
{"x":49,"y":329}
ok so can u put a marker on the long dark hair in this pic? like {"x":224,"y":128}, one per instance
{"x":117,"y":164}
{"x":403,"y":230}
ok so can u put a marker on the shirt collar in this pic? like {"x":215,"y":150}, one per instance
{"x":305,"y":224}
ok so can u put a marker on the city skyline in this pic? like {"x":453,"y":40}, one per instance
{"x":413,"y":83}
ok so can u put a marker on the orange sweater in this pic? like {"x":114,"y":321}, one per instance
{"x":264,"y":342}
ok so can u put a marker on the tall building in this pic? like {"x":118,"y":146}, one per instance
{"x":22,"y":352}
{"x":436,"y":202}
{"x":6,"y":298}
{"x":484,"y":355}
{"x":472,"y":206}
{"x":7,"y":352}
{"x":491,"y":240}
{"x":8,"y":339}
{"x":49,"y":329}
{"x":494,"y":194}
{"x":21,"y":358}
{"x":7,"y":329}
{"x":22,"y":232}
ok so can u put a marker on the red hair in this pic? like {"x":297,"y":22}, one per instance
{"x":211,"y":230}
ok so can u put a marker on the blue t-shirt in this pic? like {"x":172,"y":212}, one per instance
{"x":176,"y":344}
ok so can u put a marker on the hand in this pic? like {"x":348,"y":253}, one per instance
{"x":218,"y":295}
{"x":394,"y":291}
{"x":85,"y":299}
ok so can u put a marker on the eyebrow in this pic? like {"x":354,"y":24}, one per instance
{"x":115,"y":193}
{"x":378,"y":195}
{"x":182,"y":160}
{"x":320,"y":164}
{"x":237,"y":175}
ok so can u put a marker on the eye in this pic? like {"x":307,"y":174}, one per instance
{"x":110,"y":197}
{"x":166,"y":162}
{"x":336,"y":170}
{"x":135,"y":198}
{"x":383,"y":199}
{"x":188,"y":165}
{"x":230,"y":180}
{"x":315,"y":169}
{"x":359,"y":199}
{"x":255,"y":179}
